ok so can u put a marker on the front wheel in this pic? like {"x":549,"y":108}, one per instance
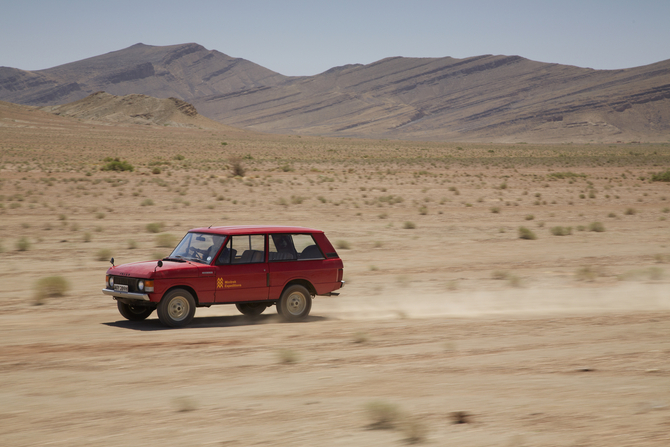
{"x":295,"y":303}
{"x":251,"y":309}
{"x":134,"y":313}
{"x":177,"y":308}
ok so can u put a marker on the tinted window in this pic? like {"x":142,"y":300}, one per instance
{"x":247,"y":249}
{"x":291,"y":247}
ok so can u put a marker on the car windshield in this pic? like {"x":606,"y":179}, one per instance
{"x":197,"y":247}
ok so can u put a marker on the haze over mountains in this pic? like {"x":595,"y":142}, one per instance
{"x":482,"y":98}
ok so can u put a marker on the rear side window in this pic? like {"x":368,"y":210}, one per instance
{"x":247,"y":249}
{"x":293,"y":247}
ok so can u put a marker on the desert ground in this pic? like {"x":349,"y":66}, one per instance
{"x":448,"y":315}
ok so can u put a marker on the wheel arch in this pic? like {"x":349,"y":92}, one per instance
{"x":189,"y":289}
{"x":302,"y":282}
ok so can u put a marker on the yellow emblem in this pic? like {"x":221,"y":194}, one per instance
{"x":219,"y":283}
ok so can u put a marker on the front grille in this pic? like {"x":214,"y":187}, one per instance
{"x":130,"y":282}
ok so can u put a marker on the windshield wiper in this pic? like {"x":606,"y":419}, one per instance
{"x":174,"y":259}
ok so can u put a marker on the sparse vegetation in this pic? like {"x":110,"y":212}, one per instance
{"x":598,"y":227}
{"x":342,"y":245}
{"x":525,"y":233}
{"x":561,"y":231}
{"x":288,"y":356}
{"x":50,"y":287}
{"x":408,"y":225}
{"x":115,"y":164}
{"x":236,"y":167}
{"x":104,"y":254}
{"x":155,"y":227}
{"x":661,"y":176}
{"x":166,"y":240}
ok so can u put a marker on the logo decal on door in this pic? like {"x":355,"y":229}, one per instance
{"x":221,"y":284}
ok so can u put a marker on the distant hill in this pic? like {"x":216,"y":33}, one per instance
{"x":134,"y":109}
{"x":181,"y":71}
{"x":483,"y":98}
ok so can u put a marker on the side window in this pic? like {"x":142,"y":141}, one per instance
{"x":291,"y":247}
{"x":306,"y":247}
{"x":281,"y":248}
{"x":247,"y":249}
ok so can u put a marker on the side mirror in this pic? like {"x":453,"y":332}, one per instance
{"x":111,"y":261}
{"x":160,"y":263}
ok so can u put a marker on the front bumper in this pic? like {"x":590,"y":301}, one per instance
{"x":126,"y":295}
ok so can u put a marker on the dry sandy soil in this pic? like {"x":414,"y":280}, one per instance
{"x":557,"y":341}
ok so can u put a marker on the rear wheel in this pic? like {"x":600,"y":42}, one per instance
{"x":134,"y":313}
{"x":295,"y":303}
{"x":177,"y":308}
{"x":251,"y":309}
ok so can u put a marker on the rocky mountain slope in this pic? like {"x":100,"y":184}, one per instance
{"x":483,"y":98}
{"x":134,"y":109}
{"x":181,"y":71}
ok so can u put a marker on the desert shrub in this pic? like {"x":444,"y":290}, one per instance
{"x":499,"y":274}
{"x":661,"y":176}
{"x":132,"y":245}
{"x":423,"y":210}
{"x":409,"y":225}
{"x":115,"y":164}
{"x":156,"y":170}
{"x":586,"y":273}
{"x":87,"y":236}
{"x":236,"y":167}
{"x":166,"y":240}
{"x":184,"y":404}
{"x":297,"y":200}
{"x":382,"y":415}
{"x":288,"y":356}
{"x":104,"y":254}
{"x":612,"y":215}
{"x":495,"y":209}
{"x":342,"y":245}
{"x":564,"y":175}
{"x":561,"y":231}
{"x":179,"y":157}
{"x":630,"y":211}
{"x":529,"y":217}
{"x":23,"y":244}
{"x":525,"y":233}
{"x":598,"y":227}
{"x":49,"y":287}
{"x":99,"y":215}
{"x":360,"y":337}
{"x":147,"y":202}
{"x":155,"y":227}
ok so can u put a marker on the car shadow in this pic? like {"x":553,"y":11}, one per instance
{"x":210,"y":322}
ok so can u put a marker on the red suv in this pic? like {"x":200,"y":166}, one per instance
{"x":253,"y":267}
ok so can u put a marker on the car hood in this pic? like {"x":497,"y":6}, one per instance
{"x":150,"y":269}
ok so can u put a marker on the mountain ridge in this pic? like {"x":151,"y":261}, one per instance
{"x":486,"y":97}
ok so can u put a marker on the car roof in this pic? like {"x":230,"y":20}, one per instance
{"x":253,"y":229}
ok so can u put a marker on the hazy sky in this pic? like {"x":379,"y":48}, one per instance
{"x":300,"y":37}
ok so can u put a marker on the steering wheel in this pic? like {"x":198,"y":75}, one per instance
{"x":197,"y":254}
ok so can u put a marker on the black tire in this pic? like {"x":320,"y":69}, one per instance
{"x":134,"y":313}
{"x":177,"y":308}
{"x":295,"y":303}
{"x":251,"y":309}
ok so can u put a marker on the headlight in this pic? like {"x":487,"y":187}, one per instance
{"x":140,"y":285}
{"x":111,"y":282}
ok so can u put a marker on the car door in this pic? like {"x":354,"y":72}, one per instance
{"x":241,"y":270}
